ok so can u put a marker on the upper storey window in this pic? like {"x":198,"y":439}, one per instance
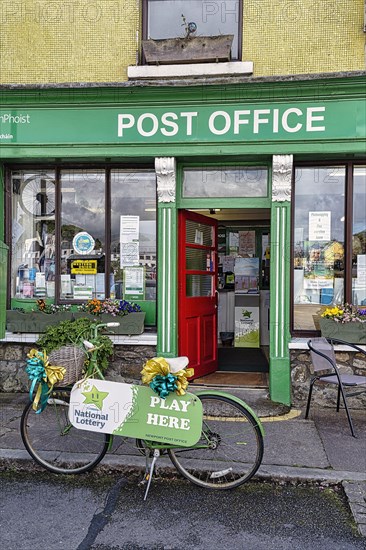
{"x":179,"y":18}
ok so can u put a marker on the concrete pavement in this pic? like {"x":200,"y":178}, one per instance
{"x":320,"y":450}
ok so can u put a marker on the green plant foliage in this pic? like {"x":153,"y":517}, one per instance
{"x":75,"y":332}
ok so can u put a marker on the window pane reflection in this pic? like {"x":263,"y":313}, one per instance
{"x":232,"y":182}
{"x":133,"y":194}
{"x":82,"y":260}
{"x":359,"y":237}
{"x":319,"y":229}
{"x":165,"y":19}
{"x":33,"y":234}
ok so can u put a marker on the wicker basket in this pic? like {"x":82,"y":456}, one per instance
{"x":70,"y":357}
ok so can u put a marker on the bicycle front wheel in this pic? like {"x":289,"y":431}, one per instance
{"x":55,"y":444}
{"x":230,"y":450}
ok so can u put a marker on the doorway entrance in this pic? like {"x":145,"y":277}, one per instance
{"x":237,"y":285}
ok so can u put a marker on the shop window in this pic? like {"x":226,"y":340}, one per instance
{"x":84,"y":250}
{"x":133,"y":228}
{"x":322,"y":242}
{"x":359,"y":237}
{"x":170,"y":18}
{"x":229,"y":182}
{"x":33,"y":234}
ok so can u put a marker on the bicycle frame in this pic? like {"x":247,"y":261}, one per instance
{"x":214,"y":439}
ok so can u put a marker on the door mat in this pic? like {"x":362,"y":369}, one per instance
{"x":242,"y":360}
{"x":252,"y":379}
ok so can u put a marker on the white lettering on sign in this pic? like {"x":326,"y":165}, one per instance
{"x":15,"y":119}
{"x":189,"y":117}
{"x":310,"y":118}
{"x":176,"y":405}
{"x":169,"y":421}
{"x":285,"y":124}
{"x":227,"y":123}
{"x":219,"y":123}
{"x":173,"y":125}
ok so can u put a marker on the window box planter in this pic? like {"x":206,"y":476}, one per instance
{"x":34,"y":321}
{"x":130,"y":324}
{"x":194,"y":49}
{"x":355,"y":333}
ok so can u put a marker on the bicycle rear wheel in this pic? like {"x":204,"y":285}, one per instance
{"x":230,"y":450}
{"x":55,"y":444}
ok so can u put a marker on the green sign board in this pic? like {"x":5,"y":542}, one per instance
{"x":209,"y":123}
{"x":135,"y":411}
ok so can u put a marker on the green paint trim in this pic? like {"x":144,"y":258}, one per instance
{"x":280,"y":386}
{"x":280,"y":380}
{"x":260,"y":90}
{"x":167,"y":337}
{"x":235,"y":202}
{"x":2,"y":202}
{"x":236,"y":400}
{"x":149,"y":152}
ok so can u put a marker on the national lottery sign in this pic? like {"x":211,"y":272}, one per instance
{"x":135,"y":411}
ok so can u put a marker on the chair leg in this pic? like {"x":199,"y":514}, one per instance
{"x":338,"y":397}
{"x":309,"y":398}
{"x":347,"y":411}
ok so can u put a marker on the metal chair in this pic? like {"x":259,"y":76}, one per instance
{"x":323,"y":359}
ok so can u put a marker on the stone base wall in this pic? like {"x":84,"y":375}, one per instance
{"x":125,"y":365}
{"x":324,"y":395}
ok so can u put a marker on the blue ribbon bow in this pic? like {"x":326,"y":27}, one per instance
{"x":163,"y":385}
{"x":37,"y":373}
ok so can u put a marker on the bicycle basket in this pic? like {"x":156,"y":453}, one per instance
{"x":72,"y":359}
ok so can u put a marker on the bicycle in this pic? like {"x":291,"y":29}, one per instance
{"x":228,"y":452}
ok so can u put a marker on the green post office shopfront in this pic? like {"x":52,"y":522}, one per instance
{"x":185,"y":182}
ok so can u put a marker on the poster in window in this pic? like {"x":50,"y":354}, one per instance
{"x":361,"y":270}
{"x":319,"y":226}
{"x":246,"y":243}
{"x":130,"y":255}
{"x":134,"y":283}
{"x":129,"y":240}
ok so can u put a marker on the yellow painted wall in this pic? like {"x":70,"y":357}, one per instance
{"x":54,"y":41}
{"x":304,"y":36}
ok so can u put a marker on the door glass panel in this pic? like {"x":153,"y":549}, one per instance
{"x":198,"y":259}
{"x":359,"y":237}
{"x":232,"y":182}
{"x":197,"y":233}
{"x":33,"y":234}
{"x":82,"y":252}
{"x":319,"y":229}
{"x":199,"y":285}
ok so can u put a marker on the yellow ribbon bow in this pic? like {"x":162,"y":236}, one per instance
{"x":160,"y":366}
{"x":53,"y":374}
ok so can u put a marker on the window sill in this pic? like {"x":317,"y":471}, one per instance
{"x":229,"y":68}
{"x":301,"y":343}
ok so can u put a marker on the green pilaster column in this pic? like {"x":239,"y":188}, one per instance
{"x":280,"y":379}
{"x":167,"y":257}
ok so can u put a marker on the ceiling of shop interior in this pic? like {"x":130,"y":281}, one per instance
{"x":238,"y":214}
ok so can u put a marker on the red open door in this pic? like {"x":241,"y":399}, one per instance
{"x":197,"y":279}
